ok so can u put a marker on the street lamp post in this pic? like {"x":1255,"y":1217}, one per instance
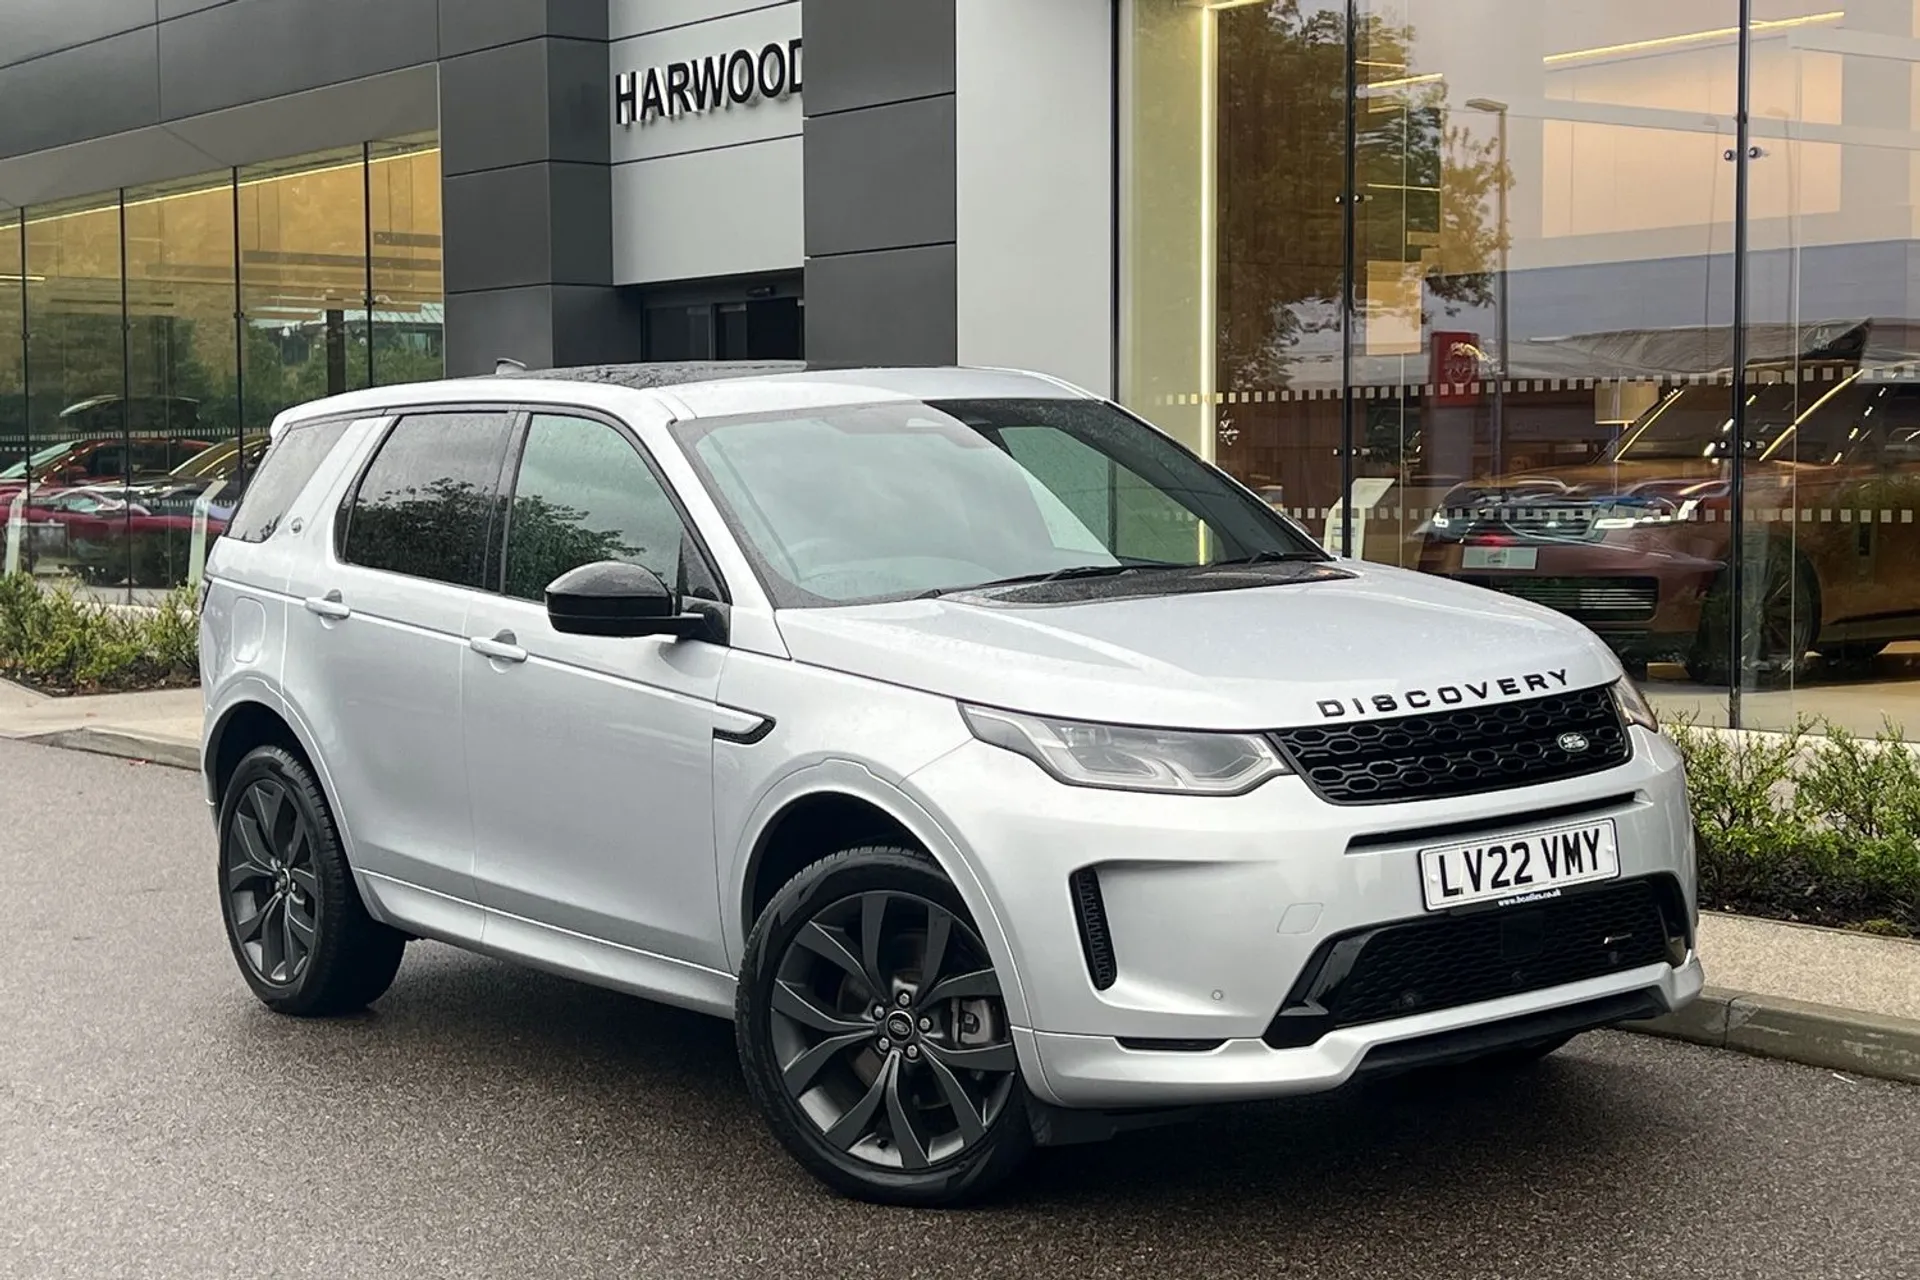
{"x":1498,"y":109}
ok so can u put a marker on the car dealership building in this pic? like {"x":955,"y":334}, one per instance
{"x":1453,"y":282}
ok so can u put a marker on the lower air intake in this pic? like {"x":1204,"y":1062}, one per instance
{"x":1096,"y":943}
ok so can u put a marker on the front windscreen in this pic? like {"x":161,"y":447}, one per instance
{"x":888,"y":501}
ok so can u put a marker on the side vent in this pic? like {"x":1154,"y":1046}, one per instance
{"x":1096,"y":943}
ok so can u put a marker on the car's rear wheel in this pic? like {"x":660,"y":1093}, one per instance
{"x":298,"y":929}
{"x":874,"y":1036}
{"x":1780,"y":618}
{"x":1852,"y":655}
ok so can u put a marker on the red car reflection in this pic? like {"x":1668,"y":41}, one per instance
{"x":1636,"y":544}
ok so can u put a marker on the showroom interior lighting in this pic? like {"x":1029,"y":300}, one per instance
{"x":1691,"y":37}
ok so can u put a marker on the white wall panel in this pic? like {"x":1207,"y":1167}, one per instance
{"x":1034,"y":130}
{"x":715,"y":192}
{"x":728,"y":126}
{"x":709,"y":213}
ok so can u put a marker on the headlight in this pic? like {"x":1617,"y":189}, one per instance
{"x":1130,"y":759}
{"x":1634,"y":705}
{"x":1639,"y":518}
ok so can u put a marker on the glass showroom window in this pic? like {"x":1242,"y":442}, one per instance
{"x":148,"y":337}
{"x":1463,"y":302}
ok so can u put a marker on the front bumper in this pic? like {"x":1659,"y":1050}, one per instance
{"x":1215,"y":906}
{"x":1642,"y":593}
{"x":1098,"y":1071}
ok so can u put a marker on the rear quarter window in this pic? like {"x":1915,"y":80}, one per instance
{"x":282,"y":474}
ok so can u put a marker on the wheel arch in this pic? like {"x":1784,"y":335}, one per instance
{"x":256,"y":714}
{"x":793,"y":825}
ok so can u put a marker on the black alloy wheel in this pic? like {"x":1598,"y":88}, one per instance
{"x":273,"y":892}
{"x":874,"y":1034}
{"x":1781,"y":617}
{"x":298,"y":929}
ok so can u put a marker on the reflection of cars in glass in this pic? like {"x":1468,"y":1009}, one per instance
{"x":142,"y":533}
{"x":162,"y":430}
{"x":992,"y":760}
{"x":1635,"y":544}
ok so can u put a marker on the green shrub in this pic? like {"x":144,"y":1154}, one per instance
{"x":1814,"y":826}
{"x":55,"y":641}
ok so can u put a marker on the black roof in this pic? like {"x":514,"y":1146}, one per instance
{"x":658,"y":374}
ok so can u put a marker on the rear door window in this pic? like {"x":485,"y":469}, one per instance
{"x":428,"y":504}
{"x":289,"y":464}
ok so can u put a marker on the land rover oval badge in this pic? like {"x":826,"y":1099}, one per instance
{"x":1573,"y":743}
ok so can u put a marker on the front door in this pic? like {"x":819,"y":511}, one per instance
{"x":590,"y":758}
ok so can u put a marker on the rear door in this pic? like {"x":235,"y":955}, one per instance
{"x":378,"y":636}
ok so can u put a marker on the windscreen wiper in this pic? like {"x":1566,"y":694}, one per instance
{"x":1025,"y":579}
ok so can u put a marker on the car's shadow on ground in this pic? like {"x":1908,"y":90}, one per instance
{"x":626,"y":1080}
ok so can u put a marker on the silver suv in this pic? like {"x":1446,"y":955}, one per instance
{"x":1004,"y":771}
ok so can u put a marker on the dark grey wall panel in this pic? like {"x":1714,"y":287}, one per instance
{"x":861,"y":53}
{"x":579,"y":105}
{"x":596,"y":324}
{"x":99,"y":88}
{"x":394,"y":105}
{"x":580,"y":219}
{"x":467,"y":25}
{"x":881,"y":178}
{"x":495,"y":102}
{"x":531,"y":224}
{"x":542,"y":326}
{"x":29,"y":28}
{"x":894,"y":307}
{"x":518,"y":103}
{"x":498,"y":228}
{"x":255,"y":49}
{"x":180,"y":8}
{"x":515,"y":324}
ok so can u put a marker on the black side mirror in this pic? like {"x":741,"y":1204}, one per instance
{"x":614,"y":598}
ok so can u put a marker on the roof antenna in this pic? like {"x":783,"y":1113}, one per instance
{"x":506,"y":365}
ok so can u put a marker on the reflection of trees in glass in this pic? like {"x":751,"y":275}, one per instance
{"x":437,"y":531}
{"x":1281,"y":169}
{"x":546,"y":539}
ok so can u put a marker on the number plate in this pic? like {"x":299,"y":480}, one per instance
{"x":1524,"y":867}
{"x":1499,"y":557}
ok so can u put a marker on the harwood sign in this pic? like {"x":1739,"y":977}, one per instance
{"x":707,"y":84}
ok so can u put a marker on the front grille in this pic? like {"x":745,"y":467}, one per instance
{"x":1460,"y":752}
{"x":1445,"y":961}
{"x":1531,"y":520}
{"x":1588,"y":599}
{"x":1096,"y":943}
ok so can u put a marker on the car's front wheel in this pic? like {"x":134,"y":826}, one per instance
{"x":302,"y":937}
{"x":873,"y":1033}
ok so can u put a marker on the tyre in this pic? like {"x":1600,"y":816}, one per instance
{"x":1781,"y":609}
{"x":873,"y":1034}
{"x":1852,"y":655}
{"x":299,"y":932}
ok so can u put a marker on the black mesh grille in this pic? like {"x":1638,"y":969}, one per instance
{"x":1457,"y":753}
{"x":1443,"y":962}
{"x":1095,"y":941}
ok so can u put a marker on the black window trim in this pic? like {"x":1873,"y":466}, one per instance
{"x":510,"y":480}
{"x":520,"y":415}
{"x":395,"y":415}
{"x":273,"y":442}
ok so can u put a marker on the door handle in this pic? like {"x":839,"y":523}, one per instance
{"x":502,"y":648}
{"x":329,"y":605}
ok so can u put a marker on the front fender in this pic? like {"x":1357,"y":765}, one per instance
{"x":853,"y":779}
